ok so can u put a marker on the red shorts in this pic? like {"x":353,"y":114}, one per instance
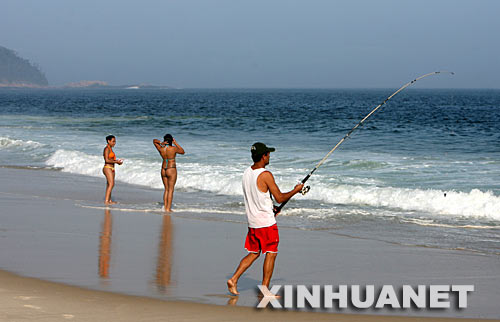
{"x":265,"y":239}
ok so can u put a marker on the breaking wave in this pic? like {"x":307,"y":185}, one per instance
{"x":6,"y":143}
{"x":227,"y":181}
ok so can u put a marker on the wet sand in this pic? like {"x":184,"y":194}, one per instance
{"x":53,"y":227}
{"x":25,"y":299}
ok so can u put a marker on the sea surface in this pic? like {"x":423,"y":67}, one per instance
{"x":423,"y":171}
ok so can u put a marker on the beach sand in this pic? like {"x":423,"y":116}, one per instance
{"x":119,"y":264}
{"x":28,"y":299}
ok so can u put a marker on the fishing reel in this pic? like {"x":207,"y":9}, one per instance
{"x":305,"y":190}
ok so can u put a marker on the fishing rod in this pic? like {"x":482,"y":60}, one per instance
{"x":306,"y":189}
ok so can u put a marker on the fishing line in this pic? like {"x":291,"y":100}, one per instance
{"x":306,"y":189}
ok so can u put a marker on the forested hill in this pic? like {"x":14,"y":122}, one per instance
{"x":17,"y":71}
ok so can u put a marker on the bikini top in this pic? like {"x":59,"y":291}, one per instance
{"x":112,"y":155}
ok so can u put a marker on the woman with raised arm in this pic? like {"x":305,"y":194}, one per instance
{"x":168,"y":149}
{"x":109,"y":167}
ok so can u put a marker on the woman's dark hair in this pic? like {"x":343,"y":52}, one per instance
{"x":168,"y":138}
{"x":109,"y":138}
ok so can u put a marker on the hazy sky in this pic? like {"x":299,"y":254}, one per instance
{"x":258,"y":43}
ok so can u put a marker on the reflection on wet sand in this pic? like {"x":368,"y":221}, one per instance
{"x":164,"y":263}
{"x":232,"y":301}
{"x":105,"y":245}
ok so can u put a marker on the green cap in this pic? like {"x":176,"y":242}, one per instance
{"x":259,"y":148}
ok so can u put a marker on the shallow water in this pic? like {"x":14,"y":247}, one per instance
{"x":424,"y":167}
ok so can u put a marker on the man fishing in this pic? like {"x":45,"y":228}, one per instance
{"x":257,"y":182}
{"x":262,"y":236}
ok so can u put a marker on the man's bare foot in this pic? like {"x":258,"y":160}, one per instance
{"x":110,"y":202}
{"x":168,"y":210}
{"x":231,"y":286}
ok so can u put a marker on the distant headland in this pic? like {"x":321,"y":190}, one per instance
{"x":17,"y":72}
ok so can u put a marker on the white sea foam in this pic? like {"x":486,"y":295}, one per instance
{"x":76,"y":162}
{"x":209,"y":210}
{"x":475,"y":203}
{"x":192,"y":176}
{"x":119,"y":208}
{"x":227,"y":181}
{"x":6,"y":143}
{"x":422,"y":222}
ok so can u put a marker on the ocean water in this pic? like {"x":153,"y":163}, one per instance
{"x":424,"y":170}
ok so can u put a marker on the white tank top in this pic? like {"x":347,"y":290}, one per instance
{"x":258,"y":204}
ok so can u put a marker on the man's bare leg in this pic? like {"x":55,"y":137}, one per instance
{"x":268,"y":269}
{"x":245,"y":263}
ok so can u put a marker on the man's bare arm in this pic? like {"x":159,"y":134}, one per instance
{"x":267,"y":180}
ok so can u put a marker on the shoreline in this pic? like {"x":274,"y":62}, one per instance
{"x":177,"y":259}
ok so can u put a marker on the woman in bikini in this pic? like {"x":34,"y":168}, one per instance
{"x":168,"y":149}
{"x":109,"y":167}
